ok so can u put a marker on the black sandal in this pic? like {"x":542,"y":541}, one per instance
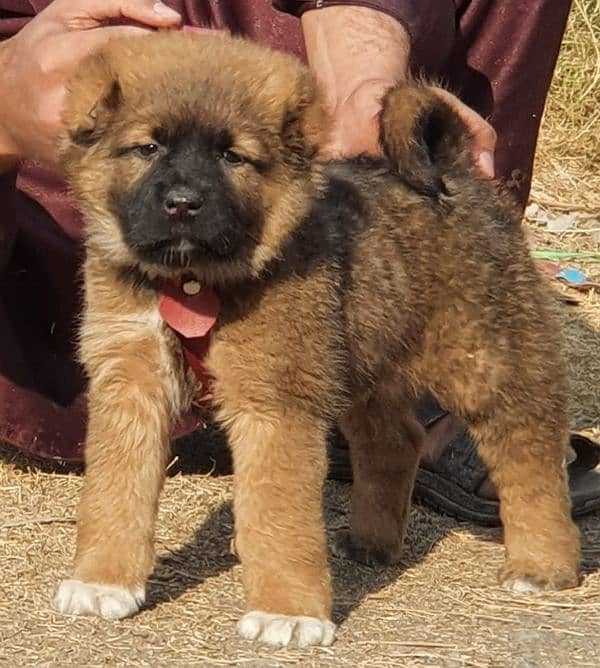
{"x":456,"y":482}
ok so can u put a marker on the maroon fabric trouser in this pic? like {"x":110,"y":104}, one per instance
{"x":497,"y":54}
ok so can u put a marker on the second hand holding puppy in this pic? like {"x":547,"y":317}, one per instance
{"x":36,"y":63}
{"x":358,"y":54}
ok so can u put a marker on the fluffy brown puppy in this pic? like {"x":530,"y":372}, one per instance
{"x":344,"y":290}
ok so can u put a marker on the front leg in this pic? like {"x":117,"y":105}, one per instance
{"x":277,"y":431}
{"x":280,"y":467}
{"x":131,"y":390}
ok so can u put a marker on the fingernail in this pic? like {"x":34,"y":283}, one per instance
{"x":163,"y":11}
{"x":486,"y":163}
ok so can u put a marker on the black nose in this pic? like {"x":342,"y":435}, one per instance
{"x":182,"y":202}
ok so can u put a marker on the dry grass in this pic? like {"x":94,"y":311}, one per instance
{"x":568,"y":157}
{"x":441,"y":608}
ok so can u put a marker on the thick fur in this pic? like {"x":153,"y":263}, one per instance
{"x":346,"y":289}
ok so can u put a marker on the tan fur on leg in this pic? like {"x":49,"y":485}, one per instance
{"x":527,"y":467}
{"x":134,"y":384}
{"x":272,"y":390}
{"x":279,"y":468}
{"x":518,"y":418}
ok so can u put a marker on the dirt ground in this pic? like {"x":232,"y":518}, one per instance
{"x":440,"y":608}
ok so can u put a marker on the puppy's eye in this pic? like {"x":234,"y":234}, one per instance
{"x":232,"y":157}
{"x":147,"y":150}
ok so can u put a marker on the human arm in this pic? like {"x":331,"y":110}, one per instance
{"x":358,"y":53}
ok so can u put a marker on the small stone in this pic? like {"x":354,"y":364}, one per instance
{"x":532,"y":210}
{"x":191,"y":287}
{"x":561,"y":223}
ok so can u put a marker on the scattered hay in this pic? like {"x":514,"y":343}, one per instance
{"x":567,"y":174}
{"x":441,"y":607}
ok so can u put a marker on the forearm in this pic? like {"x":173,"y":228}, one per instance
{"x":429,"y":24}
{"x":348,"y":46}
{"x":357,"y":55}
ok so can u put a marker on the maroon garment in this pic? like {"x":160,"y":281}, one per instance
{"x":499,"y":54}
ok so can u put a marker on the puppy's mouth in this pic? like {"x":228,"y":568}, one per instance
{"x":185,"y":252}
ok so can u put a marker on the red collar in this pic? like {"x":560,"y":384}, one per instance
{"x":191,"y":311}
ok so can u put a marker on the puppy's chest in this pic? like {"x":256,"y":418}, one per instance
{"x":246,"y":312}
{"x":279,"y":308}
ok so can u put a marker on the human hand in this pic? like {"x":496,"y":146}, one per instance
{"x":355,"y":121}
{"x":357,"y":55}
{"x":37,"y":62}
{"x":483,"y":136}
{"x":356,"y":126}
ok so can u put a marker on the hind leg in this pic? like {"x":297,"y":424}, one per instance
{"x":525,"y":460}
{"x":384,"y":440}
{"x":518,"y":419}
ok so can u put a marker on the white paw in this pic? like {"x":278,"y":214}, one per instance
{"x":281,"y":630}
{"x":85,"y":598}
{"x":522,"y":585}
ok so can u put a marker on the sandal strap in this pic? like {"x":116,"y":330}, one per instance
{"x":460,"y":463}
{"x":428,"y":411}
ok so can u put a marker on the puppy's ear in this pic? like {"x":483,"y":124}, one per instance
{"x":94,"y":94}
{"x":306,"y":123}
{"x":422,"y":136}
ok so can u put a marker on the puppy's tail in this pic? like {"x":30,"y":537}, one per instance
{"x":424,"y":138}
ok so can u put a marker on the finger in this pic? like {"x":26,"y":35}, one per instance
{"x":483,"y":135}
{"x":85,"y":15}
{"x":483,"y":141}
{"x":483,"y":145}
{"x":485,"y":162}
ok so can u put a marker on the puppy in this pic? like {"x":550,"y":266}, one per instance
{"x":343,"y":290}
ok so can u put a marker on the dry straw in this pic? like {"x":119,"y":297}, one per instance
{"x":567,"y":175}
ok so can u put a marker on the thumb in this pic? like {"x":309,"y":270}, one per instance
{"x":482,"y":134}
{"x":93,"y":13}
{"x":483,"y":142}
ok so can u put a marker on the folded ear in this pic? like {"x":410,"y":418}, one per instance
{"x":422,"y":136}
{"x":306,"y":123}
{"x":93,"y":95}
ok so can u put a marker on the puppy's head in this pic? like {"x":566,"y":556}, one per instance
{"x":191,"y":153}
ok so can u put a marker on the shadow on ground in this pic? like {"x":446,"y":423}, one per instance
{"x":208,"y":554}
